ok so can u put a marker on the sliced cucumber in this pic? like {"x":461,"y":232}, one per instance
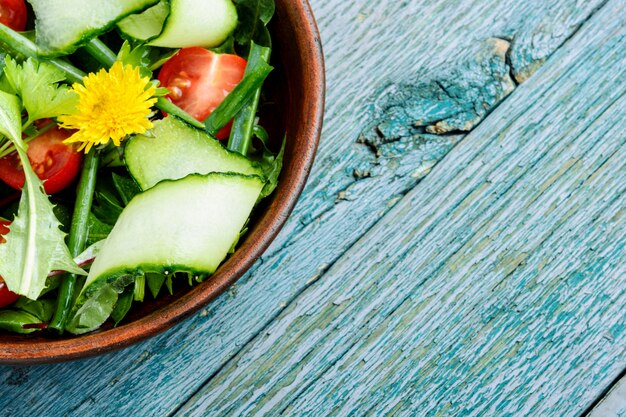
{"x":146,"y":25}
{"x":174,"y":150}
{"x":197,"y":23}
{"x":64,"y":25}
{"x":188,"y":225}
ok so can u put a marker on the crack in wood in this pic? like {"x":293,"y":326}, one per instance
{"x":451,"y":103}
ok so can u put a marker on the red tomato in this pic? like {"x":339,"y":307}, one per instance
{"x":199,"y":80}
{"x":6,"y":297}
{"x":56,"y":163}
{"x":13,"y":14}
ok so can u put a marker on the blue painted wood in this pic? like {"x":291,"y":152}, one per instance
{"x":494,"y":288}
{"x":463,"y":48}
{"x":614,"y":404}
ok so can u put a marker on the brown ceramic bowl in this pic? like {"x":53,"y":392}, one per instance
{"x":298,"y":82}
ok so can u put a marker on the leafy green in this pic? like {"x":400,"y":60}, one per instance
{"x":18,"y":321}
{"x":42,"y":309}
{"x":35,"y":245}
{"x":227,"y":47}
{"x":37,"y":84}
{"x":113,"y":193}
{"x":10,"y":118}
{"x":139,"y":56}
{"x":254,"y":15}
{"x":94,"y":311}
{"x":126,"y":187}
{"x":123,"y":305}
{"x":159,"y":58}
{"x":26,"y":316}
{"x":272,"y":166}
{"x":107,"y":205}
{"x":97,"y":230}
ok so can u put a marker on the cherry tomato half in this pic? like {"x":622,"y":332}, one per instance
{"x":13,"y":14}
{"x":199,"y":80}
{"x":6,"y":297}
{"x":54,"y":162}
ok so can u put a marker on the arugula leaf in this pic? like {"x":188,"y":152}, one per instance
{"x":98,"y":230}
{"x":254,"y":15}
{"x":158,"y":58}
{"x":37,"y":84}
{"x":123,"y":305}
{"x":126,"y":187}
{"x":35,"y":245}
{"x":272,"y":166}
{"x":107,"y":206}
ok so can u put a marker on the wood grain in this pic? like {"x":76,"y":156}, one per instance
{"x":613,"y":404}
{"x":372,"y":48}
{"x":496,"y":287}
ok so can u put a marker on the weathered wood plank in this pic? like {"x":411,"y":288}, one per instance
{"x":351,"y":187}
{"x":614,"y":404}
{"x":496,"y":287}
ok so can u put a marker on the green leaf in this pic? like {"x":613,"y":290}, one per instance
{"x":107,"y":205}
{"x":227,"y":47}
{"x":272,"y":168}
{"x":98,"y":230}
{"x":14,"y":321}
{"x":37,"y":84}
{"x":35,"y":245}
{"x":158,"y":58}
{"x":98,"y":306}
{"x":139,"y":56}
{"x":123,"y":305}
{"x":10,"y":118}
{"x":25,"y":312}
{"x":126,"y":187}
{"x":41,"y":309}
{"x":254,"y":15}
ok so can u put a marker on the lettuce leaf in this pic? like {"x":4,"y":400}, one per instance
{"x":37,"y":84}
{"x":35,"y":245}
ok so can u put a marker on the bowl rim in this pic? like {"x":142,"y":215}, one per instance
{"x":25,"y":352}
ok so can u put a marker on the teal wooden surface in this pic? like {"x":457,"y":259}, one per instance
{"x":614,"y":404}
{"x":491,"y":282}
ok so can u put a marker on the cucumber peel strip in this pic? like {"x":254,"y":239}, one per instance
{"x":201,"y":243}
{"x":61,"y":29}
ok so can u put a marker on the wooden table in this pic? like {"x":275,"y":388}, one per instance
{"x":460,"y":248}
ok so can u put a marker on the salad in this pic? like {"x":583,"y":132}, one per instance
{"x":131,"y":154}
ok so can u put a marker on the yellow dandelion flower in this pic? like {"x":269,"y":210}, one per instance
{"x":112,"y":105}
